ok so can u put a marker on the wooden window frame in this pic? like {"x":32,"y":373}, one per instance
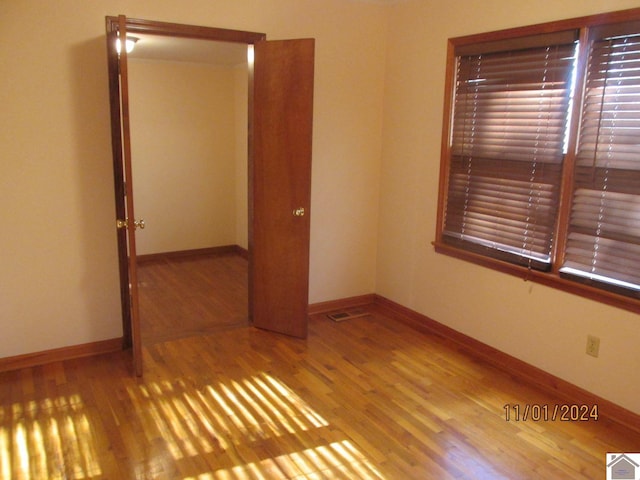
{"x":552,"y":277}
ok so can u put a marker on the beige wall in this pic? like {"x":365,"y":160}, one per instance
{"x":240,"y":95}
{"x":185,"y":151}
{"x":539,"y":325}
{"x":374,"y":186}
{"x":58,"y":269}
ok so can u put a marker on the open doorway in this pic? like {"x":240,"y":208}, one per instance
{"x":279,"y":174}
{"x":188,"y":103}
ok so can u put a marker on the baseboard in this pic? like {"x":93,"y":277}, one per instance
{"x":519,"y":369}
{"x":221,"y":250}
{"x":60,"y":354}
{"x":516,"y":368}
{"x":344,"y":303}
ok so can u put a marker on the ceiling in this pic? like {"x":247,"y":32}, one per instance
{"x":175,"y":49}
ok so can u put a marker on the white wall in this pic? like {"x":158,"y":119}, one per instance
{"x":58,"y":270}
{"x":542,"y":326}
{"x":185,"y":149}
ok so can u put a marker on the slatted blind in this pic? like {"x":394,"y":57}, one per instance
{"x":603,"y":245}
{"x":507,"y":148}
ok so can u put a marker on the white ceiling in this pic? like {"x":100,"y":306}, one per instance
{"x":159,"y":47}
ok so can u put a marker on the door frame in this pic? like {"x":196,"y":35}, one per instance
{"x":140,"y":26}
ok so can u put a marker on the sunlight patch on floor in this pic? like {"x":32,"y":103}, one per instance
{"x":257,"y":423}
{"x":49,"y":439}
{"x":254,"y":427}
{"x":339,"y":460}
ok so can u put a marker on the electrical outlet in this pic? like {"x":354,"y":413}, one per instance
{"x":593,"y":345}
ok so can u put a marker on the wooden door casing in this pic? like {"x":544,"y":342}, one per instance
{"x":119,"y":107}
{"x":274,"y":254}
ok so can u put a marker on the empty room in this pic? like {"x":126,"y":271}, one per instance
{"x":370,"y":239}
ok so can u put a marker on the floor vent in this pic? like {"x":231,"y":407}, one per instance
{"x":343,"y":315}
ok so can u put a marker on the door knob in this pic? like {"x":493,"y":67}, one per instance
{"x":137,"y":223}
{"x":298,"y":212}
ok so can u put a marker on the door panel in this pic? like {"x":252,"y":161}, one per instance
{"x":121,"y":140}
{"x":281,"y":184}
{"x":116,"y":144}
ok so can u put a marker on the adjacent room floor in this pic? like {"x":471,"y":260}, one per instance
{"x":182,"y":296}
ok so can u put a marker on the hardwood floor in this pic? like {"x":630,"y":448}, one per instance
{"x":181,"y":296}
{"x":367,"y":398}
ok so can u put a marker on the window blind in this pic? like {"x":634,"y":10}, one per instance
{"x":603,"y":243}
{"x":507,"y":148}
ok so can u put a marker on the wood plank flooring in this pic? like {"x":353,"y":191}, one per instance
{"x":181,"y":296}
{"x":368,"y":398}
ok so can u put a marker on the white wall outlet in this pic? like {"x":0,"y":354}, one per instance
{"x":593,"y":345}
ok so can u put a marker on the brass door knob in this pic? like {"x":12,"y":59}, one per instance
{"x":123,"y":223}
{"x":298,"y":212}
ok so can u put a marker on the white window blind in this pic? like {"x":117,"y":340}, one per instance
{"x":507,"y":147}
{"x":603,"y":244}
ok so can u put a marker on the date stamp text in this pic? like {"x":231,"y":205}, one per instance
{"x":534,"y":412}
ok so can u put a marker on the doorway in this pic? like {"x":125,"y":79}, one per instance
{"x":188,"y":103}
{"x":280,"y":123}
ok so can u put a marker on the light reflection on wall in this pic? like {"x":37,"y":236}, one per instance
{"x":49,"y":439}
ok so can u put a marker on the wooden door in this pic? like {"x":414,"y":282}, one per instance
{"x":281,"y":185}
{"x":125,"y":218}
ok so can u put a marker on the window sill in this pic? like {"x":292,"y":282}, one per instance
{"x":550,"y":279}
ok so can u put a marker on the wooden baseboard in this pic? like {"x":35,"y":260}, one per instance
{"x":565,"y":391}
{"x":59,"y":354}
{"x":516,"y":368}
{"x":221,"y":250}
{"x":344,"y":303}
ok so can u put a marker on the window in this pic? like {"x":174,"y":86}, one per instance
{"x":540,"y":170}
{"x":507,"y":147}
{"x":603,"y":245}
